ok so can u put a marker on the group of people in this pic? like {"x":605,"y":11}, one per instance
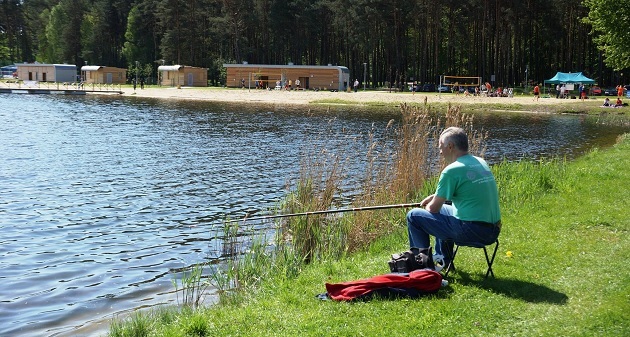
{"x":505,"y":92}
{"x":286,"y":85}
{"x":499,"y":92}
{"x":561,"y":91}
{"x":618,"y":104}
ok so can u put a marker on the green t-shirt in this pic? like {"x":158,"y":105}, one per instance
{"x":470,"y":185}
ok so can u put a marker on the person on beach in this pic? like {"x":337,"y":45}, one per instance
{"x":557,"y":91}
{"x":536,"y":93}
{"x":474,"y":216}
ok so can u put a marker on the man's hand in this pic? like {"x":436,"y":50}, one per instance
{"x":433,"y":203}
{"x":427,"y":200}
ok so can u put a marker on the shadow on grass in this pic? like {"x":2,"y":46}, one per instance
{"x":519,"y":289}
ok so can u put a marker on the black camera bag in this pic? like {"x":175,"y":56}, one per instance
{"x":415,"y":258}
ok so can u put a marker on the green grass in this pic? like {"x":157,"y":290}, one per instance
{"x":565,"y":226}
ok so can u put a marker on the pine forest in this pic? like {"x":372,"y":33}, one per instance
{"x":388,"y":41}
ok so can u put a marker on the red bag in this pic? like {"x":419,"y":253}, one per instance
{"x":416,"y":283}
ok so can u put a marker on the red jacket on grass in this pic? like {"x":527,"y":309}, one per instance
{"x":417,"y":283}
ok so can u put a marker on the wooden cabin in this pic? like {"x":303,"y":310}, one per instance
{"x":42,"y":72}
{"x":103,"y":75}
{"x":336,"y":78}
{"x":178,"y":75}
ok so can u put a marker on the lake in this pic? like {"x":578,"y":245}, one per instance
{"x":102,"y":197}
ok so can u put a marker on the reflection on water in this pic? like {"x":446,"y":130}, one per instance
{"x":101,"y":196}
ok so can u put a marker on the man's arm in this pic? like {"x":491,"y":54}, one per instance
{"x":433,"y":203}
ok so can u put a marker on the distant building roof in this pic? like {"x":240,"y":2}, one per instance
{"x":280,"y":66}
{"x":170,"y":68}
{"x":178,"y":67}
{"x":36,"y":64}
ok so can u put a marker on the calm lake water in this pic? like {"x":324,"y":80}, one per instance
{"x":102,"y":197}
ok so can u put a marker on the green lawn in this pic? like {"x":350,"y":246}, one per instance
{"x":565,"y":226}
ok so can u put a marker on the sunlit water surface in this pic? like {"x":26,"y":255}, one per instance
{"x":101,"y":198}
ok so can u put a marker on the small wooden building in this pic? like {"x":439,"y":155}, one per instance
{"x":310,"y":77}
{"x":103,"y":75}
{"x":42,"y":72}
{"x":178,"y":75}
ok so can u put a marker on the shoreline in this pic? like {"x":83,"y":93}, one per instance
{"x":368,"y":98}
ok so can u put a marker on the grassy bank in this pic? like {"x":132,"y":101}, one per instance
{"x":561,"y":271}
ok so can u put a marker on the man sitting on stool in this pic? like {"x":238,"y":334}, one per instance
{"x":474,"y":216}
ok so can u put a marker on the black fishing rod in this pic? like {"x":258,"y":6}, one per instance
{"x":330,"y":211}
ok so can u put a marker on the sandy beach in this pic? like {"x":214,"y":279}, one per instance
{"x":361,"y":97}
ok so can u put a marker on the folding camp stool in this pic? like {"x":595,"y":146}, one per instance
{"x":489,"y":260}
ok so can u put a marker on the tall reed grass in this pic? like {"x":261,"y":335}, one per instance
{"x":191,"y":287}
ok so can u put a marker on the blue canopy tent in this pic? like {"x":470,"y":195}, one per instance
{"x":569,"y":78}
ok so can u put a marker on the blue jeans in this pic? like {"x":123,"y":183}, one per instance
{"x":447,"y":230}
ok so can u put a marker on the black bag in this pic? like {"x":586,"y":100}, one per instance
{"x":415,"y":258}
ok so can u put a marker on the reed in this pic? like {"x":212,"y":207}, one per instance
{"x":191,"y":287}
{"x":243,"y":261}
{"x":318,"y":188}
{"x":398,"y":173}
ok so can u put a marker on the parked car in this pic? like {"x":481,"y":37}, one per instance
{"x":610,"y":92}
{"x":428,"y":87}
{"x":596,"y":91}
{"x":443,"y":88}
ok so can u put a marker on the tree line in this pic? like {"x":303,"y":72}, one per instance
{"x":392,"y":41}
